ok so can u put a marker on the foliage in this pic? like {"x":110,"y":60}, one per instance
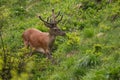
{"x":89,"y":51}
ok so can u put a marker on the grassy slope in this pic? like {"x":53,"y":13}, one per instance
{"x":82,"y":54}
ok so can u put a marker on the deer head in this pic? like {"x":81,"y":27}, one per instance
{"x":52,"y":24}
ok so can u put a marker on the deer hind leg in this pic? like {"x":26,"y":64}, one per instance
{"x":31,"y":51}
{"x":28,"y":46}
{"x":26,"y":43}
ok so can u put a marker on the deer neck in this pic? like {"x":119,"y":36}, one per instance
{"x":52,"y":38}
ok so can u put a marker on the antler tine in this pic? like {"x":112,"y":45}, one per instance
{"x":60,"y":19}
{"x":57,"y":14}
{"x":43,"y":20}
{"x":53,"y":15}
{"x":53,"y":10}
{"x":48,"y":18}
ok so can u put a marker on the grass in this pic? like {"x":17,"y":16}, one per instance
{"x":89,"y":51}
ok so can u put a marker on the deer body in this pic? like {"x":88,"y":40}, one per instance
{"x":43,"y":41}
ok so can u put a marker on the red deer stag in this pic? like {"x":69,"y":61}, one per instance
{"x":43,"y":41}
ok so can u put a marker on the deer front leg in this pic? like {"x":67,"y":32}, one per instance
{"x":47,"y":52}
{"x":31,"y":49}
{"x":49,"y":56}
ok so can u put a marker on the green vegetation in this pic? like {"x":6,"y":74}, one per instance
{"x":89,"y":51}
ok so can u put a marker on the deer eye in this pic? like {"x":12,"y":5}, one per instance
{"x":56,"y":29}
